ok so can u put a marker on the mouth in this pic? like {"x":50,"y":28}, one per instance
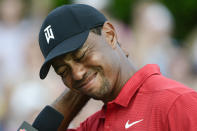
{"x":88,"y":82}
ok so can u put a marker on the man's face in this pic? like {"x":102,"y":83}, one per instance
{"x":91,"y":70}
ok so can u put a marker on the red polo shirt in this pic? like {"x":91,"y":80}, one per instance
{"x":147,"y":102}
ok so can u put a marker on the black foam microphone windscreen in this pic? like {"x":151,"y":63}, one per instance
{"x":48,"y":120}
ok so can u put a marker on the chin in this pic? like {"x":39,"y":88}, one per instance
{"x":100,"y":92}
{"x":98,"y":96}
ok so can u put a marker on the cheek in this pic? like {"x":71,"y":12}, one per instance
{"x":67,"y":82}
{"x":105,"y":64}
{"x":95,"y":59}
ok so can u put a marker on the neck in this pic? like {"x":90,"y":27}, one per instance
{"x":126,"y":70}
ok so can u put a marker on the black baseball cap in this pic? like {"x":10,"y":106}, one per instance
{"x":66,"y":29}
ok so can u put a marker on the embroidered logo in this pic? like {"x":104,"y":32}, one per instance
{"x":49,"y":33}
{"x":131,"y":124}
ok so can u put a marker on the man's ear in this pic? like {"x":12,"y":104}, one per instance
{"x":109,"y":32}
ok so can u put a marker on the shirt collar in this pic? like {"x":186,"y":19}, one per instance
{"x":134,"y":83}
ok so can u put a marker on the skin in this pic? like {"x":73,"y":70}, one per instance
{"x":99,"y":69}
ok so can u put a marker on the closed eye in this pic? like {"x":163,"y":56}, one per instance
{"x":80,"y":57}
{"x":62,"y":70}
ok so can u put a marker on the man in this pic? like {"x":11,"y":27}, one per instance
{"x":81,"y":45}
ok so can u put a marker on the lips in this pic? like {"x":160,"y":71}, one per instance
{"x":87,"y":82}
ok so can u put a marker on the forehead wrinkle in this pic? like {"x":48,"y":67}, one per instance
{"x":90,"y":44}
{"x":67,"y":57}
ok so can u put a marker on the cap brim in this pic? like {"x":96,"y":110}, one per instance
{"x":68,"y":45}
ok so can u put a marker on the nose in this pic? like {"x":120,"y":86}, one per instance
{"x":78,"y":71}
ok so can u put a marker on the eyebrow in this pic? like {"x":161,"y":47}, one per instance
{"x":84,"y":49}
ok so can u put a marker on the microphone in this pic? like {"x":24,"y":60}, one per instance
{"x":48,"y":120}
{"x":26,"y":127}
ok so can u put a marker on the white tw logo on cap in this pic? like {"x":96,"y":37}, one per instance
{"x":49,"y":33}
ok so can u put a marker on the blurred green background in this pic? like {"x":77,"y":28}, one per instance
{"x":183,"y":11}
